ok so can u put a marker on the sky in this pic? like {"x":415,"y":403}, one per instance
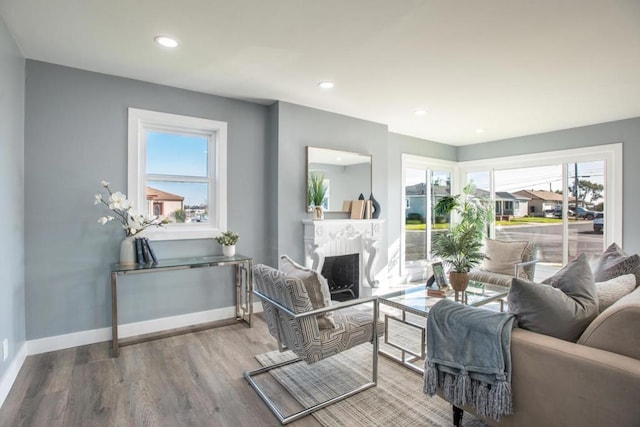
{"x":547,"y":178}
{"x":184,"y":155}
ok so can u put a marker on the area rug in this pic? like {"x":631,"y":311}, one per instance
{"x":397,"y":400}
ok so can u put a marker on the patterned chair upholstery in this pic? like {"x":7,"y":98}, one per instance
{"x":292,"y":321}
{"x":524,"y":268}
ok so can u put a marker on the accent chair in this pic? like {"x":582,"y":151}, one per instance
{"x":293,"y":322}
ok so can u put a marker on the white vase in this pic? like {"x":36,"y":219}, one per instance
{"x":229,"y":250}
{"x":128,"y":251}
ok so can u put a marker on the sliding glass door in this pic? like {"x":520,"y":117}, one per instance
{"x":425,"y":182}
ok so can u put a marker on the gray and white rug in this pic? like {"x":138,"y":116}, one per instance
{"x":397,"y":400}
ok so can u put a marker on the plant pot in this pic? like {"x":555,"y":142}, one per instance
{"x":458,"y":280}
{"x":229,"y":251}
{"x":318,"y":213}
{"x":127,"y":251}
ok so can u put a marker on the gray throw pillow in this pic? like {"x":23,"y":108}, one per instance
{"x":561,"y":308}
{"x":316,"y":286}
{"x":615,"y":262}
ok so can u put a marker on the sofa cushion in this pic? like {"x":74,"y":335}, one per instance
{"x":616,"y":329}
{"x":316,"y":286}
{"x":612,"y":290}
{"x":491,"y":277}
{"x":615,"y":262}
{"x":501,"y":257}
{"x":563,"y":307}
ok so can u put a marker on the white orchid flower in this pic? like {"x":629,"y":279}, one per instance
{"x":119,"y":201}
{"x":103,"y":220}
{"x":105,"y":184}
{"x":98,"y":199}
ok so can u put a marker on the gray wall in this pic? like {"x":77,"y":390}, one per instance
{"x":76,"y":136}
{"x":12,"y":287}
{"x":625,"y":131}
{"x":299,"y":127}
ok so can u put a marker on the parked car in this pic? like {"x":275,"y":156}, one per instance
{"x":598,"y":222}
{"x":557,"y":212}
{"x":586,"y":213}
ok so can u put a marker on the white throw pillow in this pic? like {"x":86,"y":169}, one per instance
{"x":501,"y":257}
{"x":612,"y":290}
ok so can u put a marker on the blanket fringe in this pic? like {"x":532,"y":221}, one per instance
{"x":431,"y":379}
{"x":462,"y":393}
{"x":500,"y":398}
{"x":490,"y":401}
{"x":481,"y":398}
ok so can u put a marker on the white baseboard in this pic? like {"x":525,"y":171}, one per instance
{"x":76,"y":339}
{"x":7,"y":380}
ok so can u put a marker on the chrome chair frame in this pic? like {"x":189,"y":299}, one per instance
{"x":249,"y":375}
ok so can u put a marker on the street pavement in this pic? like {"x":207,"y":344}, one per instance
{"x":548,"y":237}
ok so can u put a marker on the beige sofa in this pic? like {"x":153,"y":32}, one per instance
{"x":594,"y":382}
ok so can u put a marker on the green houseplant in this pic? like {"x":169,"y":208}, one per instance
{"x":316,"y":193}
{"x":228,"y":240}
{"x":461,"y":246}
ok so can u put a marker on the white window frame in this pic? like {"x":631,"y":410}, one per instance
{"x":610,"y":153}
{"x":142,"y":121}
{"x":428,"y":164}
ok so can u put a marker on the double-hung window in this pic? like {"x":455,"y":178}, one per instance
{"x":177,"y":170}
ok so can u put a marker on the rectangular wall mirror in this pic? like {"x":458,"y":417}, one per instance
{"x":344,"y":175}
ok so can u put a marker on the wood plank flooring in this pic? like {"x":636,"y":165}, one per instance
{"x":187,"y":380}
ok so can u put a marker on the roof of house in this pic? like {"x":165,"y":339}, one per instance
{"x":541,"y":195}
{"x":155,"y":194}
{"x":501,"y":195}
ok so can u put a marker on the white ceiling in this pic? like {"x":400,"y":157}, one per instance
{"x":510,"y":67}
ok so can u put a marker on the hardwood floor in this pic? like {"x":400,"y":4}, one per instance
{"x":187,"y":380}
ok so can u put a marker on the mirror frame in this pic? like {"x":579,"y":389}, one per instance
{"x":344,"y":157}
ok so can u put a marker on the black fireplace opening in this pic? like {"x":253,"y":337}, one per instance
{"x":343,"y":275}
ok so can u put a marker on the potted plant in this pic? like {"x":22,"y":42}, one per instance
{"x":461,"y":246}
{"x":228,"y":240}
{"x":316,"y":193}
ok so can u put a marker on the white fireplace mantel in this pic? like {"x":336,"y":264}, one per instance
{"x":336,"y":237}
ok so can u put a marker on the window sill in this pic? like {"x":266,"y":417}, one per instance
{"x":181,"y":233}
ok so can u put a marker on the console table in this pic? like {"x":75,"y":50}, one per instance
{"x":244,"y":289}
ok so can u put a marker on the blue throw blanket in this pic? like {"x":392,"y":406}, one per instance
{"x":469,"y":357}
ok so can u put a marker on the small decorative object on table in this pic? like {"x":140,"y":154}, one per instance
{"x":132,"y":222}
{"x":437,"y":284}
{"x":228,"y":240}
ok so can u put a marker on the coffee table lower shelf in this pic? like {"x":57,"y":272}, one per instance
{"x":407,"y":356}
{"x":416,"y":302}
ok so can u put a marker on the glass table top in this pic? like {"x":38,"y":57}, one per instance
{"x":187,"y":262}
{"x":417,"y":301}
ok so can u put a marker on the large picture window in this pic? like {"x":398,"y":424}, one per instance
{"x":177,"y":169}
{"x":567,"y":202}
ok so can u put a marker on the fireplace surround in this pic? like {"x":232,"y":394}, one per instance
{"x":338,"y":237}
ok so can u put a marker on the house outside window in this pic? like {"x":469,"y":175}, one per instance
{"x":177,"y":169}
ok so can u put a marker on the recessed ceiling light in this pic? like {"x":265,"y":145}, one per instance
{"x":166,"y":41}
{"x":326,"y":85}
{"x":479,"y":130}
{"x":420,"y":112}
